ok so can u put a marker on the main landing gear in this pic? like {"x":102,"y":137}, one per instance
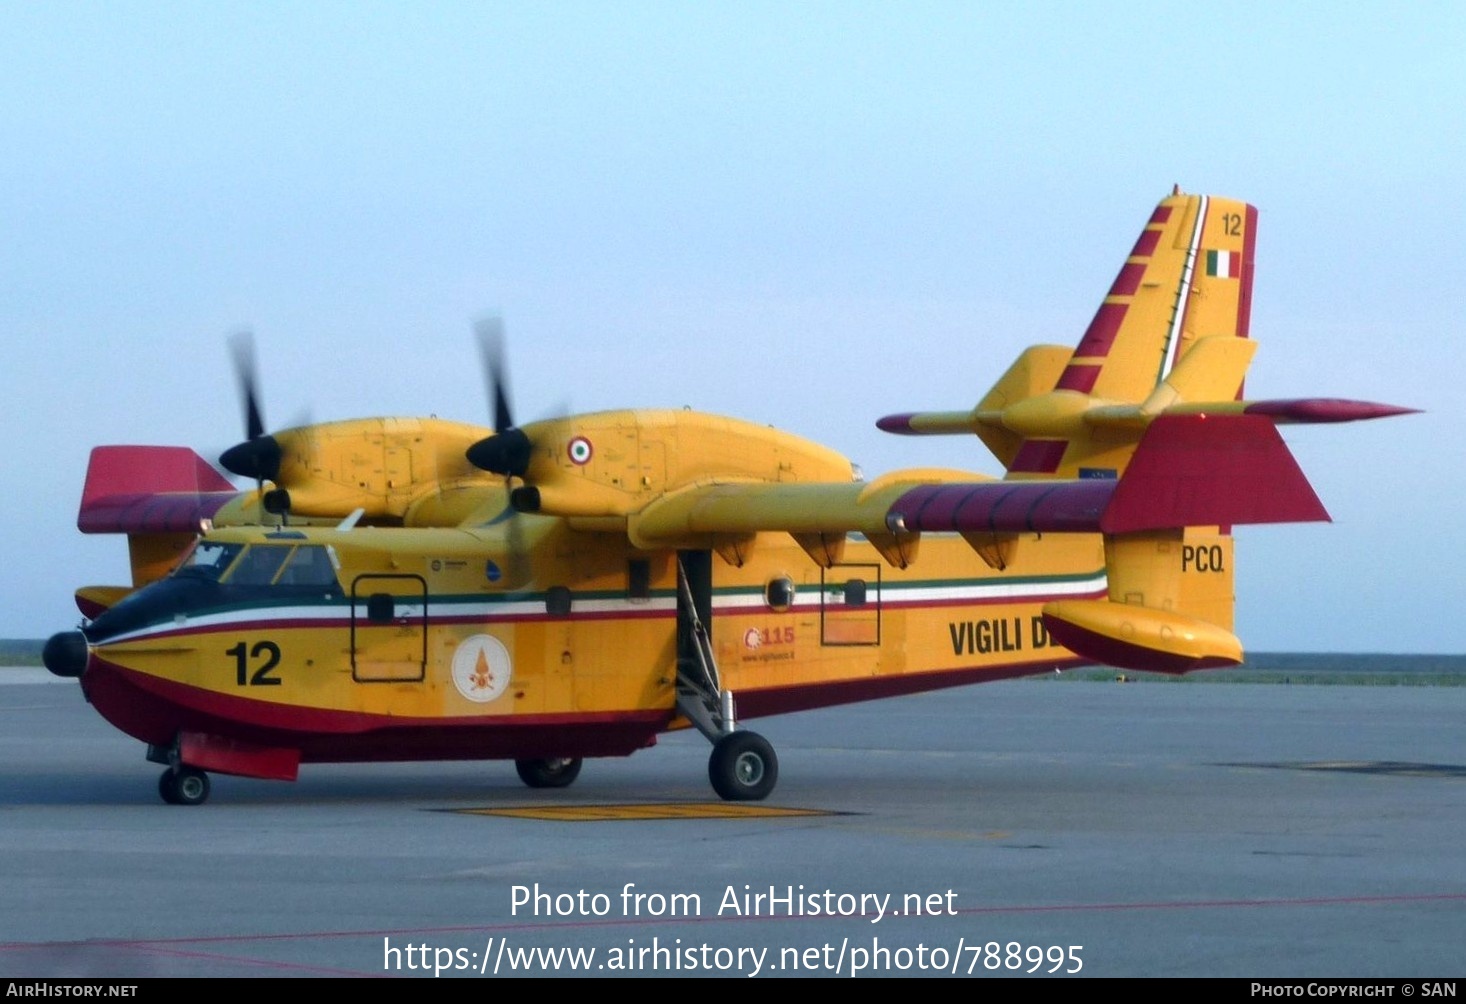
{"x":742,"y":767}
{"x":557,"y":772}
{"x":184,"y":786}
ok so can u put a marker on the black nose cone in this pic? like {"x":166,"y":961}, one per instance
{"x":65,"y":654}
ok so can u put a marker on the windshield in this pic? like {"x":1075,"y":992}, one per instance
{"x":209,"y":560}
{"x":259,"y":565}
{"x":310,"y":565}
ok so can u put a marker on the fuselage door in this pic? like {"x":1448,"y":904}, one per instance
{"x":389,"y":628}
{"x":850,"y":605}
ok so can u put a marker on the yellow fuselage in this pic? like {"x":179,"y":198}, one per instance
{"x":581,"y":653}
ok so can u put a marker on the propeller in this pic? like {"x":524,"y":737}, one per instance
{"x":508,"y":450}
{"x":258,"y":457}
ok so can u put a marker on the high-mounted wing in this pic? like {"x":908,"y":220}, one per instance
{"x":1187,"y":471}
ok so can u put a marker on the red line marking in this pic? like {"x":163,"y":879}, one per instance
{"x":1244,"y":295}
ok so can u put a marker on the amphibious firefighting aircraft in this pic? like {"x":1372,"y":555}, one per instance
{"x":412,"y":589}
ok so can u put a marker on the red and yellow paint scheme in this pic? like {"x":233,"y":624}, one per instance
{"x":412,"y":589}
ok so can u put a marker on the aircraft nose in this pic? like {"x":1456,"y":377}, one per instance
{"x":65,"y":654}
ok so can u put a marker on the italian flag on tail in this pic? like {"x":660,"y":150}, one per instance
{"x":1223,"y":264}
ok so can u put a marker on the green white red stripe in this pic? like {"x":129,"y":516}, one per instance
{"x":1223,"y":264}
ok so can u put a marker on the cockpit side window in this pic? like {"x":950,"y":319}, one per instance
{"x":209,"y":560}
{"x":309,"y":565}
{"x":258,"y":565}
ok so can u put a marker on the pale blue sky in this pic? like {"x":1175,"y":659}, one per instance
{"x":806,"y":214}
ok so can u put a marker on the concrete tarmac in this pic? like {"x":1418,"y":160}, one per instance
{"x":1148,"y":829}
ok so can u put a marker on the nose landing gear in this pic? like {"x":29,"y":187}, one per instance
{"x":184,"y":786}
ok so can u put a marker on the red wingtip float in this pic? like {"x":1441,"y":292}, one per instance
{"x":409,"y":589}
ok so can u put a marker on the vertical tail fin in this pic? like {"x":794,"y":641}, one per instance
{"x":1060,"y":413}
{"x":1189,"y":276}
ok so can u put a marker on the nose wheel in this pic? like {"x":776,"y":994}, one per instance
{"x":184,"y":786}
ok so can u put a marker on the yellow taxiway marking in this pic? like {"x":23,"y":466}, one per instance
{"x":679,"y":810}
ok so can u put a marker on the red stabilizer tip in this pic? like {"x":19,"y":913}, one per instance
{"x":1326,"y":409}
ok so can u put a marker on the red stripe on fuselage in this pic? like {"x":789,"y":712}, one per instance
{"x":156,"y":710}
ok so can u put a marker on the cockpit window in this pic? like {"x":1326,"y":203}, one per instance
{"x":258,"y":565}
{"x":309,"y":565}
{"x":209,"y":560}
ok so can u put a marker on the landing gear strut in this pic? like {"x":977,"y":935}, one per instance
{"x":742,"y":767}
{"x":184,"y":786}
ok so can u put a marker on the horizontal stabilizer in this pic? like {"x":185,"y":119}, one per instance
{"x":1033,"y":373}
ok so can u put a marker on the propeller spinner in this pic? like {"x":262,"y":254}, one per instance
{"x":258,"y":457}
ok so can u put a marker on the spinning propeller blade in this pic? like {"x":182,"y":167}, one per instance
{"x":508,"y":450}
{"x":258,"y":457}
